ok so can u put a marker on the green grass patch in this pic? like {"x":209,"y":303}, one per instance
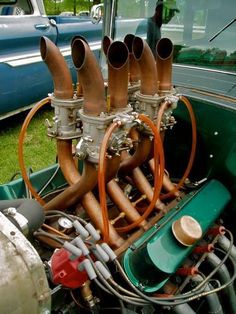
{"x":54,"y":7}
{"x":39,"y":149}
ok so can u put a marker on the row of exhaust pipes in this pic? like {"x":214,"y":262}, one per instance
{"x":112,"y":124}
{"x":134,"y":76}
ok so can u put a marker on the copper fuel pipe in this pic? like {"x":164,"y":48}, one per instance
{"x":164,"y":51}
{"x":146,"y":61}
{"x":134,"y":72}
{"x":117,"y":59}
{"x":90,"y":78}
{"x":51,"y":55}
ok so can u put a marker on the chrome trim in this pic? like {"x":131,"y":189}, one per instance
{"x":203,"y":69}
{"x":25,"y":59}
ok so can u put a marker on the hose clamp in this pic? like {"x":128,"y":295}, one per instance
{"x":19,"y":219}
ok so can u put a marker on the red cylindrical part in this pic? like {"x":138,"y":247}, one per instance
{"x":65,"y":269}
{"x":216,"y":231}
{"x":204,"y":249}
{"x":187,"y":271}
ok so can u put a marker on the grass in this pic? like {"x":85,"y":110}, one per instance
{"x":39,"y":150}
{"x":53,"y":7}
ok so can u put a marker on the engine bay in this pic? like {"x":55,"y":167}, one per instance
{"x":123,"y":235}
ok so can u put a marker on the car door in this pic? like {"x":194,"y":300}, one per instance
{"x":24,"y":78}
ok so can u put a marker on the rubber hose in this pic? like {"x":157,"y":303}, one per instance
{"x":23,"y":131}
{"x":224,"y":276}
{"x":214,"y":305}
{"x":29,"y":208}
{"x":183,"y":309}
{"x":193,"y":149}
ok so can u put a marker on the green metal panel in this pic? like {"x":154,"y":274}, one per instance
{"x":16,"y":188}
{"x":216,"y":142}
{"x":157,"y":254}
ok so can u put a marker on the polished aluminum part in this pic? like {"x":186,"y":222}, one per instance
{"x":23,"y":283}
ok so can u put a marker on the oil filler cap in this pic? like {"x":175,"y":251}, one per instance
{"x":187,"y":230}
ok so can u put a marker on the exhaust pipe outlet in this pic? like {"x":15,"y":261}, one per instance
{"x":117,"y":57}
{"x":62,"y":100}
{"x":51,"y":55}
{"x":146,"y":61}
{"x":134,"y":72}
{"x":90,"y":78}
{"x":106,"y":42}
{"x":164,"y":59}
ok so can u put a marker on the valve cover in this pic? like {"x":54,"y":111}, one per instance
{"x":154,"y":257}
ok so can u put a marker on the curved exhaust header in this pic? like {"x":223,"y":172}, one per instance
{"x":146,"y":61}
{"x":164,"y":51}
{"x":134,"y":71}
{"x":51,"y":55}
{"x":106,"y":42}
{"x":90,"y":78}
{"x":117,"y":57}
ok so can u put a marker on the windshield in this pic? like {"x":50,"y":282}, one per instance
{"x":190,"y":24}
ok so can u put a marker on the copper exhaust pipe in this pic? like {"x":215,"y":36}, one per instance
{"x":67,"y":162}
{"x":80,"y":185}
{"x":117,"y":58}
{"x":164,"y":59}
{"x":69,"y":169}
{"x":90,"y":78}
{"x":75,"y":192}
{"x":123,"y":203}
{"x":145,"y":187}
{"x":167,"y":184}
{"x":106,"y":42}
{"x":134,"y":72}
{"x":51,"y":55}
{"x":138,"y":158}
{"x":146,"y":61}
{"x":79,"y":87}
{"x":88,"y":201}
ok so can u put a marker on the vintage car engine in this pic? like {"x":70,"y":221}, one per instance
{"x":121,"y":236}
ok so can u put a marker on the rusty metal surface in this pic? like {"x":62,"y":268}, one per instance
{"x":51,"y":55}
{"x":90,"y":78}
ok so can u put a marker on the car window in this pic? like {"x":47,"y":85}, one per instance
{"x":21,"y":7}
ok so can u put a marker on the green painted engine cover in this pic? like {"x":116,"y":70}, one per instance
{"x":154,"y":257}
